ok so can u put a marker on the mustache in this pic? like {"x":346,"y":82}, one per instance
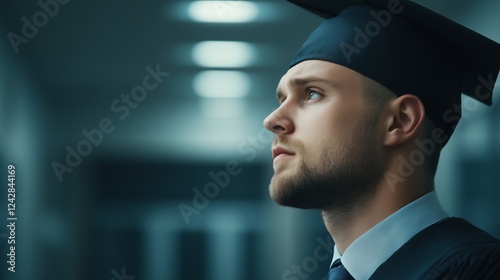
{"x":292,"y":145}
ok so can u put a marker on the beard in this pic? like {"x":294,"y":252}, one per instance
{"x":344,"y":175}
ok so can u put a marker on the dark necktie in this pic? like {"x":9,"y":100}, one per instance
{"x":338,"y":272}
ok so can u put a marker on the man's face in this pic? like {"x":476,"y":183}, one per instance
{"x":325,"y":138}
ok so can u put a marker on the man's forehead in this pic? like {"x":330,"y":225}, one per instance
{"x":318,"y":71}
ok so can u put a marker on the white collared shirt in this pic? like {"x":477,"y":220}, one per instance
{"x":375,"y":246}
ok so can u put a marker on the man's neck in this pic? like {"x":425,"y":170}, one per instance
{"x":347,"y":225}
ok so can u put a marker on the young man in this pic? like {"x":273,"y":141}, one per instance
{"x":373,"y":87}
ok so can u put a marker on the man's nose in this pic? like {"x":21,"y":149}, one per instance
{"x":279,"y":122}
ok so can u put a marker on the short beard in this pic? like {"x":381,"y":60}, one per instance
{"x":343,"y":178}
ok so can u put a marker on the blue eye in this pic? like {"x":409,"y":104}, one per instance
{"x":313,"y":95}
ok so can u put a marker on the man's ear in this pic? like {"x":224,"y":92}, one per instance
{"x":406,"y":116}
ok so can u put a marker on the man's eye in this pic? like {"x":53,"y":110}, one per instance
{"x":313,"y":95}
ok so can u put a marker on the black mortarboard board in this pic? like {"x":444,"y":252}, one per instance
{"x":408,"y":49}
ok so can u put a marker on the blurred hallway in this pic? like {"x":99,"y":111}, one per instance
{"x":136,"y":132}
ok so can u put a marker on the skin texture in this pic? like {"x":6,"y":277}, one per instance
{"x":335,"y":149}
{"x":338,"y":156}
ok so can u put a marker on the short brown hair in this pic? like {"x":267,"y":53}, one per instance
{"x":377,"y":95}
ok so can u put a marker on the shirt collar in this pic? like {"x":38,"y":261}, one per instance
{"x":375,"y":246}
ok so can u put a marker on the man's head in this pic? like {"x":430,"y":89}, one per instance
{"x":336,"y":133}
{"x":340,"y":134}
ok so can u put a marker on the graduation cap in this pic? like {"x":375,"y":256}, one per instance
{"x":408,"y":49}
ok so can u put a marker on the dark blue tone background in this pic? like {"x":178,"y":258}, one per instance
{"x":119,"y":208}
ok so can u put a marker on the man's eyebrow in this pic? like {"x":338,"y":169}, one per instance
{"x":307,"y":80}
{"x":304,"y":81}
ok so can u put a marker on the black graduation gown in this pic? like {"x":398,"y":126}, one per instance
{"x":452,"y":249}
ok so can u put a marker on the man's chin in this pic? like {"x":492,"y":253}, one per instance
{"x":291,"y":195}
{"x":295,"y":202}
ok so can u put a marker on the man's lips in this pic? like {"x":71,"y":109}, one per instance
{"x":277,"y":151}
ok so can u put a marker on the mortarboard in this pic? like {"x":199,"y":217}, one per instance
{"x":408,"y":49}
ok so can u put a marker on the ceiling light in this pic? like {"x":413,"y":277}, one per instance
{"x":223,"y":11}
{"x":222,"y":84}
{"x":223,"y":54}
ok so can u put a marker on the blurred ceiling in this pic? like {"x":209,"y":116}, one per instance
{"x":89,"y":53}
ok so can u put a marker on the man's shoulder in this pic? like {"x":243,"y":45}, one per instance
{"x":451,"y":249}
{"x":454,"y":232}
